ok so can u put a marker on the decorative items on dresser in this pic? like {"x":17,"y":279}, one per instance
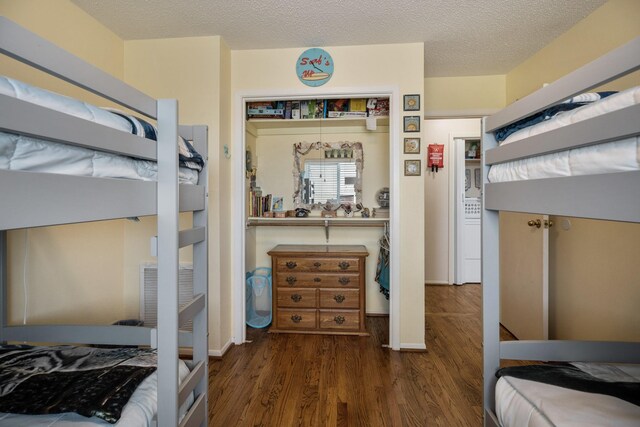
{"x":319,"y":289}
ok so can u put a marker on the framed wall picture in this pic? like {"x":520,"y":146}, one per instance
{"x":412,"y":167}
{"x":412,"y":103}
{"x":411,"y":123}
{"x":412,"y":146}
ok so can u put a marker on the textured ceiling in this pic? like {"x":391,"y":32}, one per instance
{"x":461,"y":37}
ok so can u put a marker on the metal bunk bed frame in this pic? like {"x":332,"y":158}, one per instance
{"x":35,"y":199}
{"x":613,"y":196}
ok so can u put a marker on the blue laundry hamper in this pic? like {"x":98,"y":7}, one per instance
{"x":258,"y":298}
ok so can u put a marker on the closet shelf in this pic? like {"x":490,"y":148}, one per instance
{"x":317,"y":222}
{"x":260,"y":124}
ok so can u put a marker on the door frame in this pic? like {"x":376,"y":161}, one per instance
{"x":456,"y":215}
{"x":238,"y":165}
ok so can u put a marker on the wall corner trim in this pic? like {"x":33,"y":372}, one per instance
{"x":219,"y":353}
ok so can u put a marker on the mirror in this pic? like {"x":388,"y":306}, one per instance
{"x":327,"y":172}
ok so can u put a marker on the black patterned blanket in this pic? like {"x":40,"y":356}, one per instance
{"x":89,"y":381}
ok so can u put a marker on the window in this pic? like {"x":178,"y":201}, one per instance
{"x":332,"y":181}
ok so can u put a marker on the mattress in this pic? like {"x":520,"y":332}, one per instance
{"x":140,"y":410}
{"x":614,"y":156}
{"x":525,"y":403}
{"x":36,"y":155}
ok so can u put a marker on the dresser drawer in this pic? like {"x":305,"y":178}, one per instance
{"x":317,"y":280}
{"x":303,"y":298}
{"x":339,"y":320}
{"x":296,"y":318}
{"x":339,"y":298}
{"x":318,"y":264}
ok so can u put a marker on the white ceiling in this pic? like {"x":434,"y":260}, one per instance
{"x":461,"y":37}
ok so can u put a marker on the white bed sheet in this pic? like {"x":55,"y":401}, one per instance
{"x":615,"y":156}
{"x":524,"y":403}
{"x":29,"y":154}
{"x":35,"y":155}
{"x":138,"y":412}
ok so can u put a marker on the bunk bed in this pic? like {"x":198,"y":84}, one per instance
{"x":35,"y":198}
{"x":575,"y":184}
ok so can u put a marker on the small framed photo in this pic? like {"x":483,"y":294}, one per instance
{"x":277,"y":204}
{"x":412,"y":146}
{"x":412,"y":123}
{"x":412,"y":168}
{"x":412,"y":103}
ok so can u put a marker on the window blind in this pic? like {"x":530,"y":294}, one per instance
{"x":331,"y":181}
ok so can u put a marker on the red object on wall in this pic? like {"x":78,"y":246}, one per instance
{"x":435,"y":156}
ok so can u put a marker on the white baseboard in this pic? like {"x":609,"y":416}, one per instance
{"x":436,"y":282}
{"x":413,"y":346}
{"x":221,"y":352}
{"x":377,"y":313}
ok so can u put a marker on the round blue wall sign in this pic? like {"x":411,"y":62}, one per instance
{"x":314,"y":67}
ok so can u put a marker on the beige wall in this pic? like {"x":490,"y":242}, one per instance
{"x":438,"y":194}
{"x":610,"y":26}
{"x":356,"y":67}
{"x":193,"y":71}
{"x":594,"y":271}
{"x":446,"y":97}
{"x":61,"y":22}
{"x":74,"y":273}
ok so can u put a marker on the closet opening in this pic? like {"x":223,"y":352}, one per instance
{"x":312,"y":219}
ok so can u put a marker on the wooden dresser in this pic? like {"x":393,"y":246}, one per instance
{"x":319,"y":289}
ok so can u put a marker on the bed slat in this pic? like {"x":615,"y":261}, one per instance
{"x":197,"y":413}
{"x":35,"y":121}
{"x":189,"y":311}
{"x":80,"y":334}
{"x":29,"y":48}
{"x":490,"y":419}
{"x":589,"y":196}
{"x":608,"y":67}
{"x":571,"y":351}
{"x":63,"y":199}
{"x":619,"y":124}
{"x":190,"y":382}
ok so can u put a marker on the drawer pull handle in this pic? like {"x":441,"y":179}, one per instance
{"x":291,"y":280}
{"x":296,"y":297}
{"x":317,"y":279}
{"x":344,"y":265}
{"x":339,"y":320}
{"x":317,"y":264}
{"x":296,"y":318}
{"x":344,"y":281}
{"x":291,"y":264}
{"x":338,"y":298}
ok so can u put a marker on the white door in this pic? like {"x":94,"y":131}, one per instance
{"x":524,"y":275}
{"x":467,"y":230}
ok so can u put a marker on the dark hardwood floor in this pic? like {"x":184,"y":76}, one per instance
{"x":318,"y":380}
